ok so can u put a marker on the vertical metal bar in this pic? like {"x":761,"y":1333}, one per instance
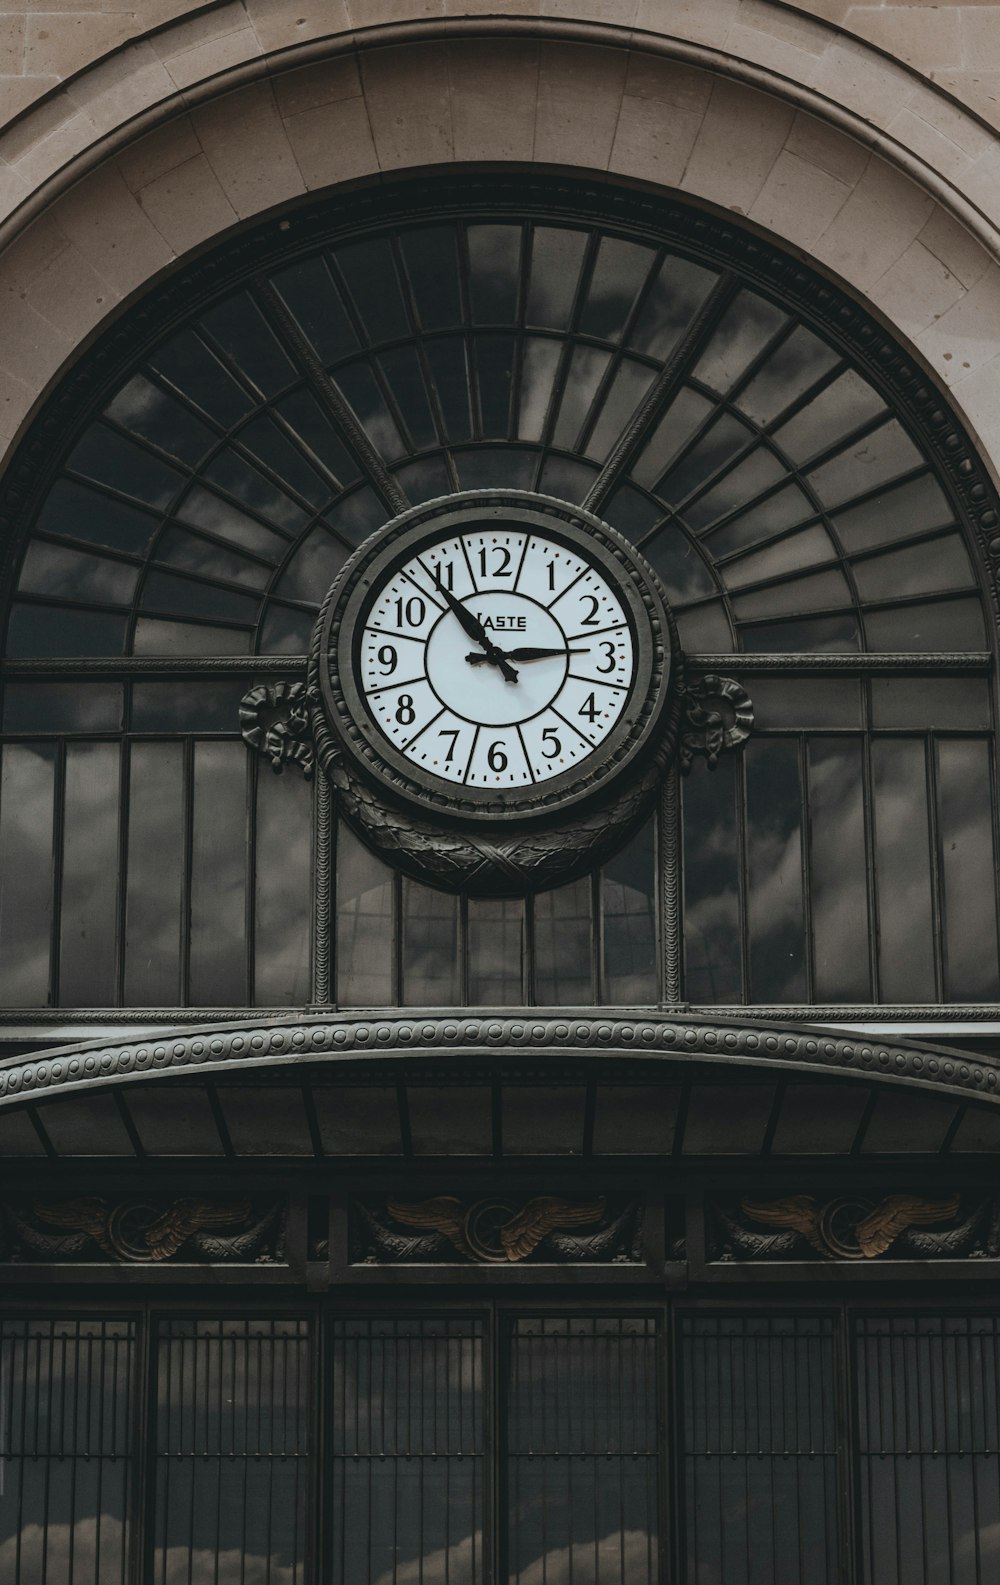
{"x":323,"y":990}
{"x":58,"y":842}
{"x":668,"y":831}
{"x":936,"y":865}
{"x":187,"y":840}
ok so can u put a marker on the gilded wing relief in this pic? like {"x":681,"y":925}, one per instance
{"x":496,"y":1230}
{"x":851,"y":1227}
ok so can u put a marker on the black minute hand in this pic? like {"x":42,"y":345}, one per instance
{"x":527,"y":654}
{"x":476,"y":631}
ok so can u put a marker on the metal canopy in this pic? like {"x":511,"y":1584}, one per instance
{"x":497,"y":1086}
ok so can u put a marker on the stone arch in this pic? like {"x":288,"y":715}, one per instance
{"x":759,"y":137}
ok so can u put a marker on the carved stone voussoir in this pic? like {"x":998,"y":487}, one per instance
{"x":856,"y":1227}
{"x":716,"y":715}
{"x":134,"y":1231}
{"x":497,"y":1229}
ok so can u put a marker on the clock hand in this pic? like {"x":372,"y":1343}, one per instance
{"x":476,"y":631}
{"x":526,"y":654}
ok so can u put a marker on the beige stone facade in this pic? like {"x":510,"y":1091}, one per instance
{"x":862,"y":136}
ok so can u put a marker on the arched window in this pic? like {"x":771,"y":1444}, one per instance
{"x":663,"y":1336}
{"x":182,"y":504}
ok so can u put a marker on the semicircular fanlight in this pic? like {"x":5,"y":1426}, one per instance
{"x":206,"y":506}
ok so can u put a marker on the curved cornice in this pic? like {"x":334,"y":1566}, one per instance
{"x":86,"y":119}
{"x":530,"y":1040}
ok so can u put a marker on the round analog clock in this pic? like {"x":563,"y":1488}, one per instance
{"x":494,"y":659}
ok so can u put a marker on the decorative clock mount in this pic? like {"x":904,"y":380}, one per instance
{"x":494,"y":690}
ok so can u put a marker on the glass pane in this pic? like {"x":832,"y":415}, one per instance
{"x":877,"y":459}
{"x":495,"y":365}
{"x":283,"y":902}
{"x":496,"y":951}
{"x":430,"y":960}
{"x":628,"y":919}
{"x":218,"y":876}
{"x":743,"y":483}
{"x":494,"y":267}
{"x":722,"y":440}
{"x":686,"y":414}
{"x":797,"y":364}
{"x":239,"y":331}
{"x":62,"y":707}
{"x":27,"y":802}
{"x":68,"y":1392}
{"x":406,"y":1451}
{"x":761,"y":1451}
{"x":316,"y":304}
{"x":670,"y":305}
{"x":361,"y":391}
{"x":432,"y":266}
{"x":370,"y":272}
{"x":893,"y":514}
{"x":844,"y":406}
{"x":713,"y":954}
{"x":564,"y":945}
{"x":193,"y":705}
{"x":365,"y":925}
{"x":404,"y":378}
{"x":230,"y":1475}
{"x":629,"y":385}
{"x":620,"y":269}
{"x":149,"y":412}
{"x":775,"y":904}
{"x":806,"y":702}
{"x":968,"y":869}
{"x":89,"y":902}
{"x":916,"y":569}
{"x":587,"y":367}
{"x":934,"y":625}
{"x":948,"y":702}
{"x":450,"y":371}
{"x":77,"y":512}
{"x":792,"y":554}
{"x":539,"y":361}
{"x":66,"y":574}
{"x":743,"y":332}
{"x":582,"y":1461}
{"x":37,"y":629}
{"x":838,"y":869}
{"x":155,"y":875}
{"x":187,"y":363}
{"x":556,"y":257}
{"x":903,"y":859}
{"x":927,"y":1394}
{"x":179,"y":547}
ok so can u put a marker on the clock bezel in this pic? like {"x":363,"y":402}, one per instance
{"x":335,"y":657}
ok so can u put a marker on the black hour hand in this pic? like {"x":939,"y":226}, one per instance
{"x":476,"y":631}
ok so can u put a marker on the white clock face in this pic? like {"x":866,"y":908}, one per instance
{"x":496,"y":658}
